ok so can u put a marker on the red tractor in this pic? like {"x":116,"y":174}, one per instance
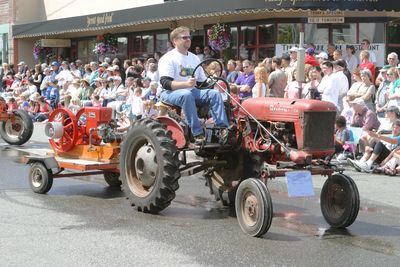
{"x":274,"y":136}
{"x":16,"y":127}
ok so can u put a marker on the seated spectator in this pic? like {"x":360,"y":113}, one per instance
{"x":364,"y":117}
{"x":44,"y":110}
{"x":342,"y":134}
{"x":12,"y":104}
{"x":378,"y":149}
{"x":391,"y":165}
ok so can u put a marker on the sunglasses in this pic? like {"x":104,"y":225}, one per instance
{"x":186,"y":37}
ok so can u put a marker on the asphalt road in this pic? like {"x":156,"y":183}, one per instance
{"x":83,"y":222}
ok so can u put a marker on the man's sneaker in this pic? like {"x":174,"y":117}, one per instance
{"x":354,"y":164}
{"x":199,"y":139}
{"x":228,"y":135}
{"x":341,"y":157}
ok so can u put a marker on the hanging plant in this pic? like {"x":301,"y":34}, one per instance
{"x":219,"y":37}
{"x":106,"y":43}
{"x":40,"y":53}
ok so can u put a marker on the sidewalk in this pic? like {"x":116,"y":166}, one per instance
{"x":372,"y":187}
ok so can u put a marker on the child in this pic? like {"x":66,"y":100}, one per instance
{"x":96,"y":101}
{"x":149,"y":109}
{"x":12,"y":104}
{"x":342,"y":135}
{"x":235,"y":96}
{"x":136,"y":102}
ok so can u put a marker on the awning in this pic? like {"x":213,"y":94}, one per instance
{"x":190,"y":9}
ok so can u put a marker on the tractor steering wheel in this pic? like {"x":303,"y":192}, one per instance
{"x":210,"y":81}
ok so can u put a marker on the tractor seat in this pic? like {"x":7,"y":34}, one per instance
{"x":202,"y":112}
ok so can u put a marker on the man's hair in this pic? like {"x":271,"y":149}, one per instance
{"x":328,"y":64}
{"x":366,"y":41}
{"x":177,"y":31}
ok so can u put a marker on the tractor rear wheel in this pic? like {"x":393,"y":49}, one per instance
{"x":340,"y":201}
{"x":253,"y":207}
{"x":20,"y":131}
{"x":149,"y":166}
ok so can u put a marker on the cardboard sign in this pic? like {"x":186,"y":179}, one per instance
{"x":299,"y":184}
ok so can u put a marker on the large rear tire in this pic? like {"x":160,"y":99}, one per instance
{"x":340,"y":201}
{"x":20,"y":131}
{"x":149,"y":166}
{"x":253,"y":207}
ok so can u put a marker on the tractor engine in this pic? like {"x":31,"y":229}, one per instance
{"x":91,"y":133}
{"x":296,"y":130}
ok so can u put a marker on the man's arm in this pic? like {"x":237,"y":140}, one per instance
{"x":169,"y":83}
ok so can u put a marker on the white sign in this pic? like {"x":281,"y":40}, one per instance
{"x":377,"y":48}
{"x":55,"y":42}
{"x":325,"y":20}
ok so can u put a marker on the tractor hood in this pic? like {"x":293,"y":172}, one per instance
{"x":278,"y":109}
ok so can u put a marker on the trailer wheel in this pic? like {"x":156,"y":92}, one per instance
{"x":20,"y":131}
{"x":253,"y":207}
{"x":149,"y":166}
{"x":340,"y":201}
{"x":112,"y":179}
{"x":40,"y":178}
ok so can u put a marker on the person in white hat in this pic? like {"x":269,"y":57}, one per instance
{"x":293,"y":57}
{"x":321,"y":57}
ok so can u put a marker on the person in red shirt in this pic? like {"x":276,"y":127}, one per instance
{"x":309,"y":57}
{"x":366,"y":64}
{"x":12,"y":104}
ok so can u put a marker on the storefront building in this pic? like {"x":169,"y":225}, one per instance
{"x":260,"y":28}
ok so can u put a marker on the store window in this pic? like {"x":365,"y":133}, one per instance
{"x":4,"y":48}
{"x":161,"y":42}
{"x":85,"y":50}
{"x":374,"y":32}
{"x":256,"y":42}
{"x":344,"y":33}
{"x":289,"y":33}
{"x":316,"y":33}
{"x":122,"y":47}
{"x":148,"y":43}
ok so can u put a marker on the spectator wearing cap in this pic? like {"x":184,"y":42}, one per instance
{"x":293,"y":57}
{"x":45,"y":81}
{"x":309,"y":57}
{"x":22,"y":68}
{"x":85,"y":92}
{"x":365,"y":63}
{"x":392,"y":113}
{"x":351,"y":59}
{"x":321,"y":57}
{"x":55,"y":69}
{"x":340,"y":80}
{"x":382,"y":93}
{"x":365,"y":46}
{"x":80,"y":67}
{"x":364,"y":117}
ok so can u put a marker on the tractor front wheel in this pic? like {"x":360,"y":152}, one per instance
{"x":40,"y":178}
{"x":253,"y":206}
{"x":112,"y":179}
{"x":19,"y":131}
{"x":340,"y":201}
{"x":149,"y":166}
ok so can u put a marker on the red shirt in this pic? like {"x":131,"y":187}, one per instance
{"x":369,"y":66}
{"x":309,"y":59}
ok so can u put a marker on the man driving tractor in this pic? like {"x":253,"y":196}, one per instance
{"x":176,"y":69}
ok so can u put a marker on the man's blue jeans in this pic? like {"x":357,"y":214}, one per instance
{"x":188,"y":100}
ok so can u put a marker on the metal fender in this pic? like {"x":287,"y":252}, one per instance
{"x":177,"y":131}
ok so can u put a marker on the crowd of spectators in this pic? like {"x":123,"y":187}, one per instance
{"x":366,"y":98}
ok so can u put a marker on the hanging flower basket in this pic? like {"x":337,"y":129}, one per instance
{"x":105,"y":44}
{"x":219,"y":37}
{"x":40,"y":53}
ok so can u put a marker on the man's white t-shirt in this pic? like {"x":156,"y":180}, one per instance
{"x":328,"y":90}
{"x":180,"y":67}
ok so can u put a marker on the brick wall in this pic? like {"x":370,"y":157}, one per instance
{"x":5,"y":12}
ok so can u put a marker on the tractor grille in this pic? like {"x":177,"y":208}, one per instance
{"x":319,"y":128}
